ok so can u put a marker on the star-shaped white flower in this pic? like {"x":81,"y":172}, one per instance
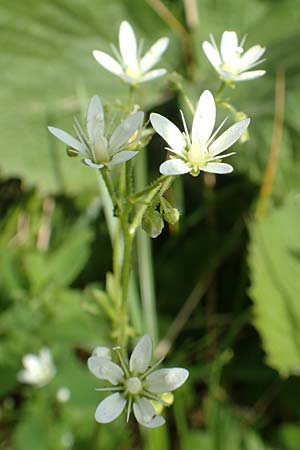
{"x":201,"y":151}
{"x":38,"y":370}
{"x":97,"y":149}
{"x":231,"y":63}
{"x":130,"y":65}
{"x":134,"y":384}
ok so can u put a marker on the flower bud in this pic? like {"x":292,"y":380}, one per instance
{"x":152,"y":223}
{"x":72,"y":153}
{"x":170,"y":214}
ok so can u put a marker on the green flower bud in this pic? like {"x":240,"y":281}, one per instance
{"x":71,"y":152}
{"x":152,"y":223}
{"x":170,"y":214}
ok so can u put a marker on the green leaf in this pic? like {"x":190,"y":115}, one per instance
{"x":227,"y":431}
{"x":274,"y":259}
{"x":288,"y":436}
{"x":62,"y":265}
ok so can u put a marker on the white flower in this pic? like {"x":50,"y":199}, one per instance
{"x":201,"y":151}
{"x":134,"y":385}
{"x":97,"y":149}
{"x":39,"y":369}
{"x":231,"y":63}
{"x":131,"y":67}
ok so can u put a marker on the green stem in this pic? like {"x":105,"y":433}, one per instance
{"x":117,"y":250}
{"x":148,"y":189}
{"x":189,"y":103}
{"x":109,"y":185}
{"x":220,"y":91}
{"x":128,"y":239}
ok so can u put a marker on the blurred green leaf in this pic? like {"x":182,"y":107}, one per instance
{"x":274,"y":259}
{"x":287,"y":436}
{"x":61,"y":266}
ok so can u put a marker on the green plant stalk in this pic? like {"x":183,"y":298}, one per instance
{"x":109,"y":186}
{"x":220,"y":91}
{"x":149,"y":188}
{"x":125,"y":277}
{"x":108,"y":207}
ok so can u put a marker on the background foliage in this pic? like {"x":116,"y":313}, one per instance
{"x":235,"y":270}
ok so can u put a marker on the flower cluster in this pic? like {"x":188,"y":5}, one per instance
{"x":231,"y":63}
{"x":200,"y":151}
{"x":134,"y":384}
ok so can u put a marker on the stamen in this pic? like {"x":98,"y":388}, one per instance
{"x":243,"y":40}
{"x":256,"y":63}
{"x":216,"y":132}
{"x":117,"y":54}
{"x":154,"y":397}
{"x":185,"y":128}
{"x":129,"y":408}
{"x":140,"y":48}
{"x":111,"y":122}
{"x":145,"y":374}
{"x":81,"y":130}
{"x":113,"y":389}
{"x":122,"y":361}
{"x":213,"y":42}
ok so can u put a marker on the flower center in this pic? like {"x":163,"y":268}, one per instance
{"x":134,"y":385}
{"x":233,"y":66}
{"x":133,"y":71}
{"x":197,"y":154}
{"x":100,"y":150}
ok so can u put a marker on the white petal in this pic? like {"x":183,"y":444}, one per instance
{"x":95,"y":119}
{"x":104,"y":369}
{"x":68,"y":139}
{"x":125,"y":131}
{"x":251,"y":56}
{"x":25,"y":376}
{"x":229,"y":137}
{"x":166,"y":380}
{"x":220,"y":168}
{"x":45,"y":356}
{"x":121,"y":157}
{"x":103,"y":352}
{"x":212,"y":54}
{"x":152,"y":75}
{"x":91,"y":164}
{"x":127,"y":43}
{"x":107,"y":62}
{"x":154,"y":54}
{"x":205,"y":118}
{"x":46,"y":361}
{"x":31,"y":362}
{"x":156,"y":422}
{"x":143,"y":410}
{"x":174,"y":167}
{"x":229,"y":45}
{"x":141,"y":355}
{"x":223,"y":156}
{"x":169,"y":132}
{"x":110,"y":408}
{"x":250,"y":75}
